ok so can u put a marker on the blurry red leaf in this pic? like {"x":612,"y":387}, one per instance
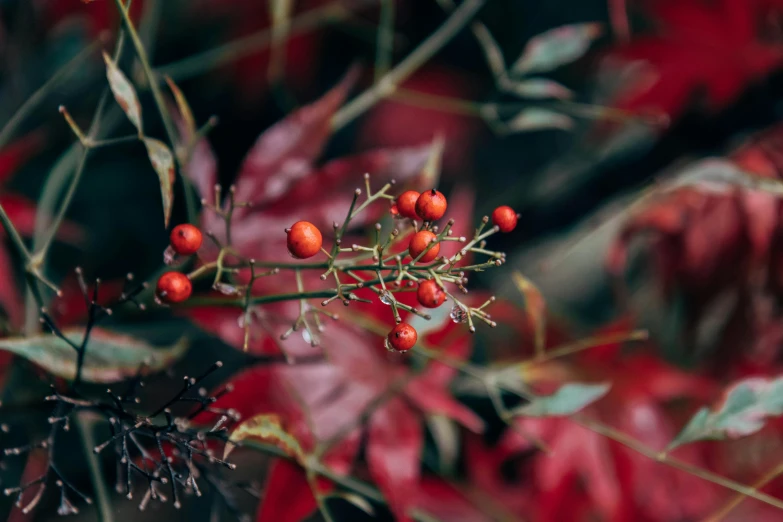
{"x":10,"y":297}
{"x":444,"y":502}
{"x":287,"y":497}
{"x":394,"y":448}
{"x":18,"y":152}
{"x":285,"y":152}
{"x":717,"y":48}
{"x":23,"y":213}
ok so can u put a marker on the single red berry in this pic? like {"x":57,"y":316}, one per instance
{"x":431,"y":205}
{"x":173,"y":287}
{"x":402,"y":337}
{"x":430,"y":294}
{"x":186,"y":239}
{"x":304,"y":240}
{"x":419,"y":243}
{"x":505,"y":218}
{"x":406,"y":204}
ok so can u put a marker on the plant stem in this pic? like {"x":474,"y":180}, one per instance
{"x":389,"y":83}
{"x":14,"y":235}
{"x":85,"y":425}
{"x":727,"y":508}
{"x":384,"y":45}
{"x":43,"y":91}
{"x":157,"y":95}
{"x":202,"y":62}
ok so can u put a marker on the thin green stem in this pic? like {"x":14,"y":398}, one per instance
{"x":237,"y":49}
{"x":388,"y":84}
{"x":385,"y":42}
{"x":39,"y":95}
{"x":14,"y":235}
{"x":102,"y":499}
{"x":160,"y":102}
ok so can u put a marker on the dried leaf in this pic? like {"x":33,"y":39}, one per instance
{"x":123,"y":92}
{"x":567,"y":400}
{"x":163,"y":162}
{"x":110,"y":357}
{"x":539,"y":119}
{"x":189,"y":122}
{"x":268,"y":428}
{"x":535,"y":306}
{"x":556,"y":47}
{"x":746,"y":406}
{"x":538,"y":88}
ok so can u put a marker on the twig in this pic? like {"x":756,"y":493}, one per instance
{"x":426,"y":50}
{"x":85,"y":426}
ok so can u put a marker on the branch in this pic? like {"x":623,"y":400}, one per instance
{"x":426,"y":50}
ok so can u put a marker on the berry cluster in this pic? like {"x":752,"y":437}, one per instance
{"x":421,"y":265}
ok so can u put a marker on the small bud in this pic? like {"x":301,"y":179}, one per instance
{"x":358,"y":192}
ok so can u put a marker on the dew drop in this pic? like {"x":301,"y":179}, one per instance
{"x":458,"y":314}
{"x":306,"y":336}
{"x":170,"y":256}
{"x":386,"y":297}
{"x":395,"y":211}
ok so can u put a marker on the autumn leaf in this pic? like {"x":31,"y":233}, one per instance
{"x":265,"y":428}
{"x":567,"y":400}
{"x":109,"y":357}
{"x":163,"y":162}
{"x":744,"y":410}
{"x":124,"y":93}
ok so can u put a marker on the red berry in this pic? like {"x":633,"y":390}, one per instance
{"x":430,"y":294}
{"x":406,"y":204}
{"x":431,"y":205}
{"x":419,"y":243}
{"x":173,"y":287}
{"x":304,"y":240}
{"x":186,"y":239}
{"x":402,"y":337}
{"x":505,"y":218}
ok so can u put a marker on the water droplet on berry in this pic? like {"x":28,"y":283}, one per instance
{"x":241,"y":320}
{"x":306,"y":336}
{"x":170,"y":256}
{"x":395,"y":211}
{"x":388,"y":346}
{"x":458,"y":314}
{"x":386,"y":297}
{"x":225,"y":288}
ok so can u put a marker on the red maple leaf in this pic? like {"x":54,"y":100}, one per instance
{"x":713,"y":49}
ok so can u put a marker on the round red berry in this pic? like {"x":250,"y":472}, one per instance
{"x":402,"y":337}
{"x":173,"y":287}
{"x":406,"y":204}
{"x":431,"y":205}
{"x":430,"y":294}
{"x":505,"y":218}
{"x":186,"y":239}
{"x":419,"y":243}
{"x":304,"y":240}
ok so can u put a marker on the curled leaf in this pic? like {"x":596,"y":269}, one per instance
{"x":110,"y":357}
{"x":567,"y":400}
{"x":163,"y":162}
{"x":267,"y":428}
{"x":745,"y":408}
{"x":535,"y":306}
{"x":188,"y":128}
{"x":556,"y":47}
{"x":123,"y":92}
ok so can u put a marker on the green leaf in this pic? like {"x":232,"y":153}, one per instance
{"x":163,"y":162}
{"x":569,"y":399}
{"x":124,"y":93}
{"x":268,"y":428}
{"x":535,"y":307}
{"x":556,"y":47}
{"x":539,"y":119}
{"x":539,"y":88}
{"x":745,"y":408}
{"x":110,"y":357}
{"x":356,"y":500}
